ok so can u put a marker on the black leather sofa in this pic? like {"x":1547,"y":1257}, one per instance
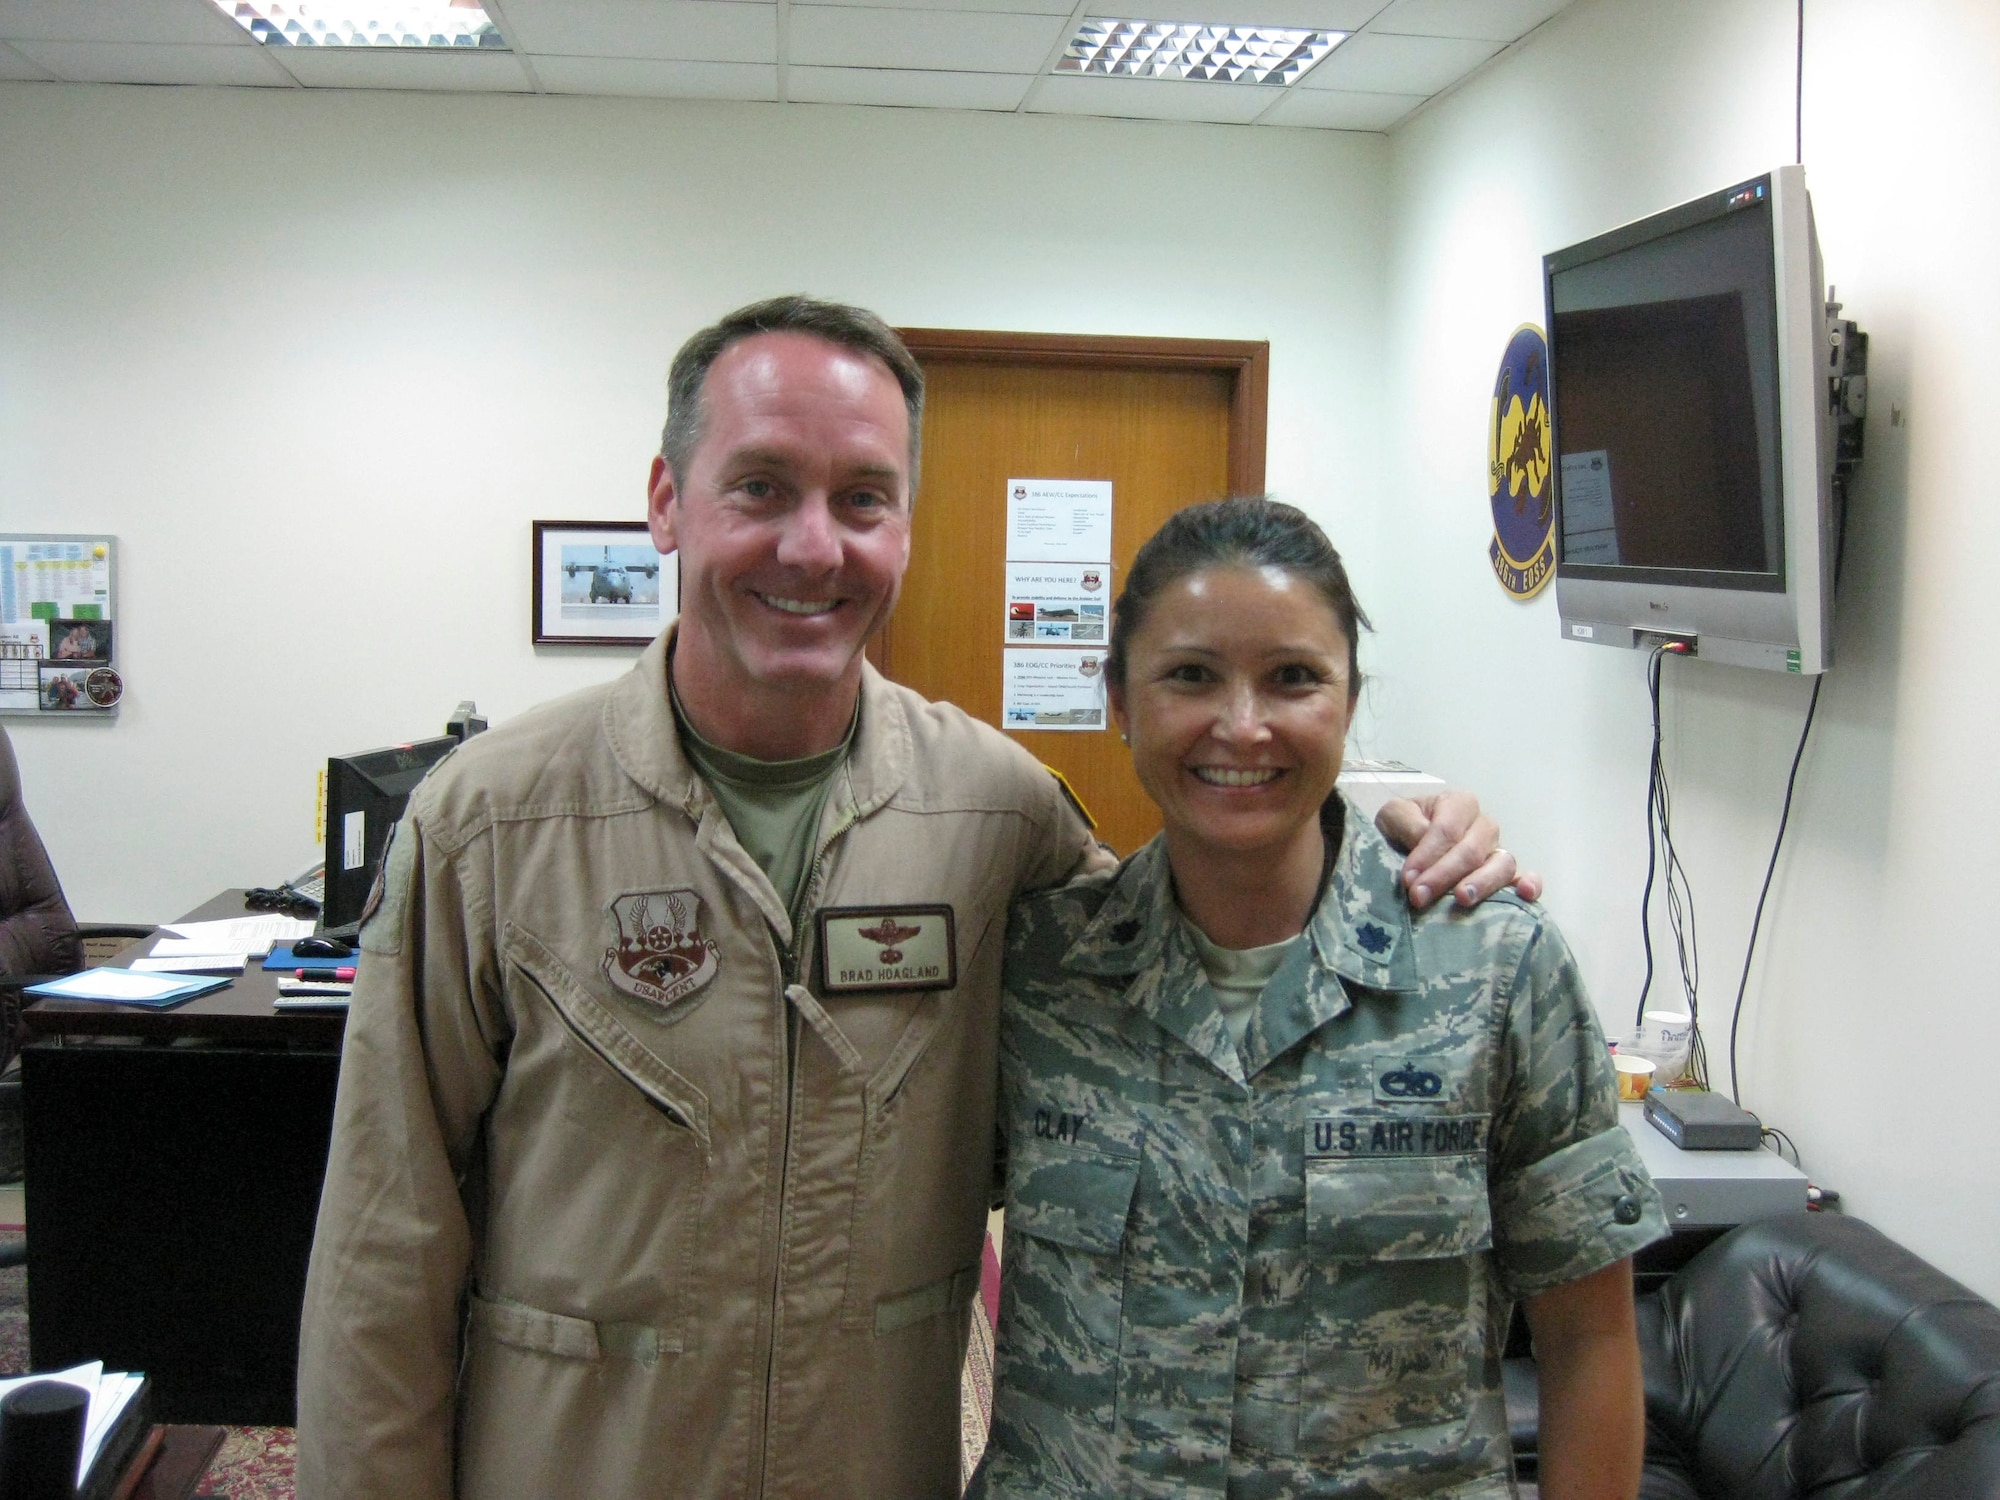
{"x":1811,"y":1356}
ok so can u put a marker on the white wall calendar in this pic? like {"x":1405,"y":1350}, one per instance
{"x":58,"y":624}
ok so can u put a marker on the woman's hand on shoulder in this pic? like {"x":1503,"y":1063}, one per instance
{"x":1451,"y":846}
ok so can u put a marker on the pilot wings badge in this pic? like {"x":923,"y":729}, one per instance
{"x":888,"y":934}
{"x":660,"y":956}
{"x":898,"y":948}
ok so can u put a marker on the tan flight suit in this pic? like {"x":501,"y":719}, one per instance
{"x":623,"y":1200}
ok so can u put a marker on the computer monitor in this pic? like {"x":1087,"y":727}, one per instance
{"x":365,"y":795}
{"x":1693,"y":430}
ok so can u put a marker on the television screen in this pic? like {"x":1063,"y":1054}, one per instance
{"x":1667,"y":406}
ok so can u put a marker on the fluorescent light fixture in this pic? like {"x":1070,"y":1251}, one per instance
{"x":1276,"y":55}
{"x":365,"y":23}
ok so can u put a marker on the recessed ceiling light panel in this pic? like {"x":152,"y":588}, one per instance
{"x":1276,"y":55}
{"x":365,"y":23}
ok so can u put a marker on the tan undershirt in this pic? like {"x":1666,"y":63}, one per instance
{"x":1238,"y":975}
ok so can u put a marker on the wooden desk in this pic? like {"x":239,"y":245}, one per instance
{"x":171,"y":1467}
{"x":174,"y":1162}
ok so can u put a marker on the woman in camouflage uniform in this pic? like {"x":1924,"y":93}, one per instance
{"x":1281,"y":1154}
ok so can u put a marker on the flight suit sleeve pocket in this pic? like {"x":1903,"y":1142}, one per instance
{"x":1395,"y":1299}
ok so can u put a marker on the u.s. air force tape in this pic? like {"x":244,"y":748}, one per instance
{"x":1396,"y":1135}
{"x":887,"y":948}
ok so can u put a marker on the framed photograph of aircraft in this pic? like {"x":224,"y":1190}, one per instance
{"x":600,"y":583}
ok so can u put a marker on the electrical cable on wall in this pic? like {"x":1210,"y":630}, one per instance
{"x":1663,"y":862}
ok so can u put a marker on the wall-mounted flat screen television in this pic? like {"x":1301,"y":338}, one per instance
{"x":1692,"y":432}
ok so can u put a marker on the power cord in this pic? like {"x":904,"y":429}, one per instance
{"x":1663,"y":863}
{"x":284,"y":897}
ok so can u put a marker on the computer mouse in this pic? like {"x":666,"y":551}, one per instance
{"x":321,"y":947}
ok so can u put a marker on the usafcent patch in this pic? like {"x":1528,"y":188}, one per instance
{"x":887,"y":948}
{"x":660,"y":956}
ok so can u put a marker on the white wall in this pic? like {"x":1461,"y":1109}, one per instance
{"x":1872,"y":1007}
{"x":317,"y":360}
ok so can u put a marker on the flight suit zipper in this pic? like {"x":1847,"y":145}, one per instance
{"x":790,"y":963}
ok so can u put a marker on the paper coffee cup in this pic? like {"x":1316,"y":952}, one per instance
{"x":1635,"y":1075}
{"x":1666,"y":1036}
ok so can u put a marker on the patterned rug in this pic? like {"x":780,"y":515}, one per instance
{"x":254,"y":1463}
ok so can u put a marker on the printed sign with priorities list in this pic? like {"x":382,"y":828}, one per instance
{"x":1057,"y":604}
{"x":1061,"y":689}
{"x":1059,"y":520}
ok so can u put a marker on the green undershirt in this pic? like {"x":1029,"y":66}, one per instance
{"x":773,"y":806}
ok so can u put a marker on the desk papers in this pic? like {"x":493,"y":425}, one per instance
{"x":194,"y":963}
{"x":109,"y":1396}
{"x":249,"y":935}
{"x":123,"y":987}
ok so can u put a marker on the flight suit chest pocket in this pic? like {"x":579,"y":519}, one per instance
{"x":1067,"y":1210}
{"x":1397,"y":1219}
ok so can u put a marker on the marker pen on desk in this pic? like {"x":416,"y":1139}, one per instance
{"x":328,"y":976}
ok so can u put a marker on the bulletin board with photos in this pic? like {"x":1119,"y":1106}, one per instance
{"x":58,"y":624}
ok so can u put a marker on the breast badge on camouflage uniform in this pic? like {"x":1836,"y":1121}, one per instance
{"x":660,"y":956}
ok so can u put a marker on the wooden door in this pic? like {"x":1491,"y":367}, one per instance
{"x":1168,"y":422}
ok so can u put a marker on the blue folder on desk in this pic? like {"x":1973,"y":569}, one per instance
{"x":282,"y":958}
{"x":123,"y":987}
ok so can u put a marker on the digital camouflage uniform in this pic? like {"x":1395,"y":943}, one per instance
{"x":1288,"y":1272}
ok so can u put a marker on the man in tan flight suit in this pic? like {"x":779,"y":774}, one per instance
{"x":665,"y":1127}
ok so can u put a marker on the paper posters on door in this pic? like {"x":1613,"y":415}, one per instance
{"x":1059,"y":689}
{"x":1058,"y":520}
{"x":1057,"y":604}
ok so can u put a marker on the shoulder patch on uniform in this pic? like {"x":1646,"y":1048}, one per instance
{"x":1069,"y":792}
{"x":388,"y":895}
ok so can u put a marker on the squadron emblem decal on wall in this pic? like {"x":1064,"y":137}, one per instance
{"x":660,"y":956}
{"x":1523,"y":549}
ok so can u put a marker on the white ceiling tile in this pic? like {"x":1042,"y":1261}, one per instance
{"x":17,"y":67}
{"x":167,"y":62}
{"x":193,"y":21}
{"x":649,"y":78}
{"x":907,"y":87}
{"x":460,"y":70}
{"x":1339,"y":109}
{"x":683,"y":30}
{"x":1313,"y":15}
{"x":965,"y":41}
{"x":1151,"y":98}
{"x":1398,"y":64}
{"x":1487,"y":20}
{"x":1017,"y":7}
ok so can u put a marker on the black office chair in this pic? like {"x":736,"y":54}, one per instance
{"x":39,"y":939}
